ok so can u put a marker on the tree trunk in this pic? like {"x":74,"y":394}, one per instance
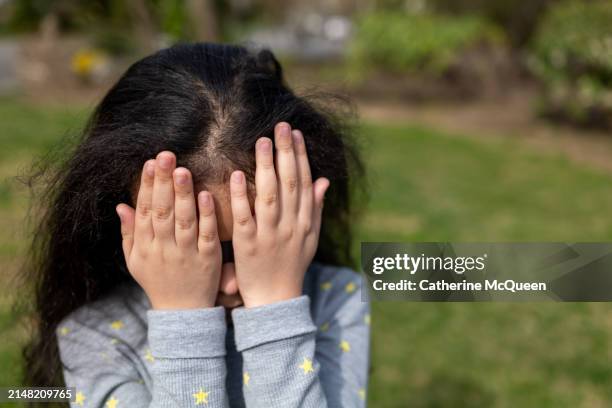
{"x":204,"y":19}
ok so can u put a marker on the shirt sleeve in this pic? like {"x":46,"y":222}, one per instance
{"x":289,"y":362}
{"x":186,"y":355}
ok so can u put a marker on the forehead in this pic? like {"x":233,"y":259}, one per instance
{"x":223,"y":207}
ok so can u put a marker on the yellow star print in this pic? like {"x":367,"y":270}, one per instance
{"x":345,"y":346}
{"x":201,"y":397}
{"x":326,"y":285}
{"x":79,"y":398}
{"x":246,"y":378}
{"x":117,"y":324}
{"x":149,"y":357}
{"x":112,"y":402}
{"x":64,"y":331}
{"x":366,"y":319}
{"x":307,"y":366}
{"x":362,"y":393}
{"x":114,"y":341}
{"x":324,"y":327}
{"x":350,"y":287}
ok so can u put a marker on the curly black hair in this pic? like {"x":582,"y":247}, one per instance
{"x":207,"y":103}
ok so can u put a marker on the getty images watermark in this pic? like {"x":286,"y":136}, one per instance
{"x":446,"y":271}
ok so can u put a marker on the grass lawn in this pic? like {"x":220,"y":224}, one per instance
{"x":424,"y":185}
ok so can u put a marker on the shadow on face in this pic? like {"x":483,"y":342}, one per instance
{"x":229,"y":295}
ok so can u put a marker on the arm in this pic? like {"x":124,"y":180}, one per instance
{"x":186,"y":362}
{"x":274,"y":330}
{"x":289,"y":364}
{"x":176,"y":259}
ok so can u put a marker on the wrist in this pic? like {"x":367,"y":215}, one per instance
{"x":181,"y":304}
{"x":272,"y":297}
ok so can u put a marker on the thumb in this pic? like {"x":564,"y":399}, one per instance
{"x":126,"y":216}
{"x":320,"y":187}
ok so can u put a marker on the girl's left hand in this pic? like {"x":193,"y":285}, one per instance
{"x":273,"y":249}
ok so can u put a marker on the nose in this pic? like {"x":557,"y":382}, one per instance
{"x":228,"y":285}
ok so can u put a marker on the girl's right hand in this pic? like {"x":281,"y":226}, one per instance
{"x":176,"y":261}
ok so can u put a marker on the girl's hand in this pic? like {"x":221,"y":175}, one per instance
{"x":177,"y":262}
{"x":273,"y":250}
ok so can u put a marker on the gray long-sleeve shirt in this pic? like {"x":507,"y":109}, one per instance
{"x":311,"y":351}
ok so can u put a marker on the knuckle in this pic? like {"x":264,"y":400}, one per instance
{"x":162,"y":213}
{"x":184,"y":193}
{"x":270,"y":199}
{"x":307,"y":183}
{"x":307,"y":226}
{"x":141,"y":253}
{"x":164,"y":176}
{"x":144,"y":209}
{"x":291,"y":183}
{"x":267,"y":165}
{"x":242,"y":220}
{"x":207,"y":212}
{"x":286,"y":233}
{"x":184,"y":223}
{"x":208,"y":236}
{"x":285,"y":148}
{"x":249,"y":250}
{"x":239,"y":193}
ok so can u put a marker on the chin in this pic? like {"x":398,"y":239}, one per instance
{"x":229,"y":302}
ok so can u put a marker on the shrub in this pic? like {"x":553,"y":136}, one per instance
{"x":572,"y":57}
{"x":400,"y":42}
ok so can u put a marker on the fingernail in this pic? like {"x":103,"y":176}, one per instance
{"x":297,"y":136}
{"x":237,"y":177}
{"x":204,"y":199}
{"x":284,"y":130}
{"x":181,"y":178}
{"x":165,"y":161}
{"x":150,"y":168}
{"x":265,"y":145}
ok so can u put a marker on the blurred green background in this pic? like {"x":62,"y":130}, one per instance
{"x":480,"y":121}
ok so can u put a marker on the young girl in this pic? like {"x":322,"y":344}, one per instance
{"x":185,"y":259}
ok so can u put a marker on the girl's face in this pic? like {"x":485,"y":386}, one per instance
{"x":228,"y":296}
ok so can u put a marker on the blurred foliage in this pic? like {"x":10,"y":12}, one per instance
{"x":572,"y":56}
{"x":112,"y":23}
{"x":426,"y":186}
{"x":518,"y":18}
{"x":416,"y":42}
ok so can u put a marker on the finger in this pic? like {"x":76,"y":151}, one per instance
{"x":185,"y":222}
{"x":286,"y":171}
{"x":127,"y":217}
{"x":266,"y":198}
{"x":319,"y":187}
{"x":244,"y":224}
{"x":306,"y":196}
{"x":143,"y":230}
{"x":163,"y":197}
{"x":208,"y":238}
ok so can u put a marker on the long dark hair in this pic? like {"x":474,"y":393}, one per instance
{"x":207,"y":103}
